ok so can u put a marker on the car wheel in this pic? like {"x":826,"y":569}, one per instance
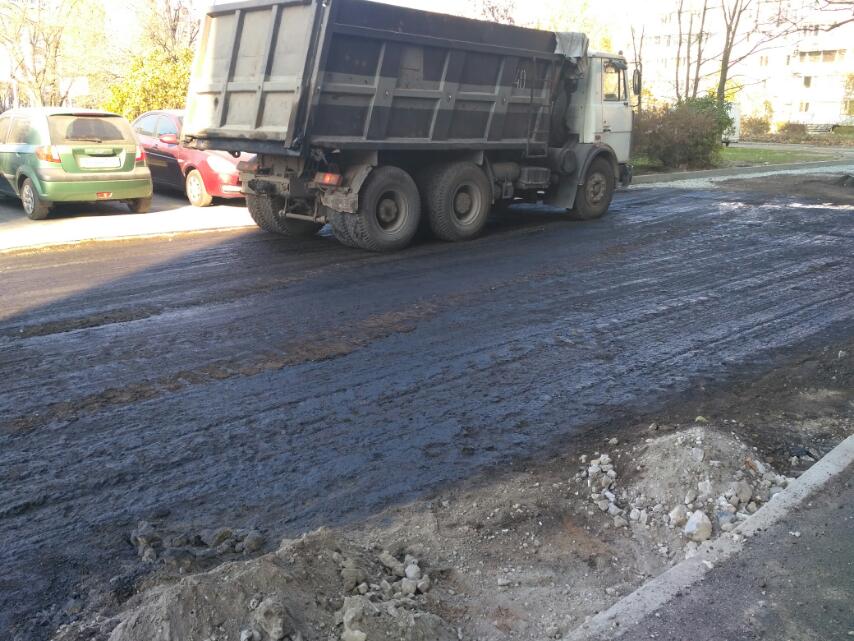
{"x":34,"y":206}
{"x":197,"y":193}
{"x":139,"y":205}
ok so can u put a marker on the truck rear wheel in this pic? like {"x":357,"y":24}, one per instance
{"x":340,"y":224}
{"x":595,"y":195}
{"x":266,"y":211}
{"x":389,"y":211}
{"x":458,"y":198}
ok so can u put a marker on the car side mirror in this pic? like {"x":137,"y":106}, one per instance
{"x":637,"y":85}
{"x":169,"y":139}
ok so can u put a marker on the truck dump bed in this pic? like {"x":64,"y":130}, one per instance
{"x":273,"y":76}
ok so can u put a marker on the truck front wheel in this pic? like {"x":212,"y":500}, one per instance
{"x":389,"y":211}
{"x":267,"y":213}
{"x":458,"y":199}
{"x":595,"y":195}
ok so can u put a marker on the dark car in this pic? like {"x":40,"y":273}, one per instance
{"x":202,"y":175}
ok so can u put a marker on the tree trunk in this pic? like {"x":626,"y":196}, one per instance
{"x":699,"y":61}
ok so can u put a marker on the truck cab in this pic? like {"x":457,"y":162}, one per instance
{"x":600,"y":111}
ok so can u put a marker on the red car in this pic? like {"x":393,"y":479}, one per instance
{"x":202,"y":175}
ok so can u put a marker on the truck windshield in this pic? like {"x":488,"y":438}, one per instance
{"x":83,"y":128}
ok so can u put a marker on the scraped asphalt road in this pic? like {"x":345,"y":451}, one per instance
{"x":241,"y":379}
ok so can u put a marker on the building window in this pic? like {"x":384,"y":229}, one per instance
{"x":763,"y":61}
{"x":807,"y":81}
{"x":805,"y":107}
{"x":849,"y":107}
{"x":788,"y":60}
{"x":828,"y":56}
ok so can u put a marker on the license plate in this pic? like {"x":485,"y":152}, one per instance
{"x":105,"y":162}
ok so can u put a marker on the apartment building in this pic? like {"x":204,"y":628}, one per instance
{"x":805,"y":75}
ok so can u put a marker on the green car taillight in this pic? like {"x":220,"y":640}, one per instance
{"x":48,"y":154}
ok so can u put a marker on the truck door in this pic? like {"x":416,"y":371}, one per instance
{"x":616,"y":111}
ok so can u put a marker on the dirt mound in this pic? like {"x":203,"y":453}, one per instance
{"x":316,"y":587}
{"x":698,"y":481}
{"x":530,"y":554}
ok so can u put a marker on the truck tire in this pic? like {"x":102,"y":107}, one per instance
{"x":389,"y":211}
{"x":340,"y":224}
{"x":265,"y":210}
{"x":595,"y":195}
{"x":34,"y":206}
{"x":458,"y":199}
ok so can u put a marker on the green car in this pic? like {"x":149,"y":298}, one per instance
{"x":51,"y":156}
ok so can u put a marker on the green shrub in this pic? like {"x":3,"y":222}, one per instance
{"x":156,"y":80}
{"x":684,"y":136}
{"x":755,"y":126}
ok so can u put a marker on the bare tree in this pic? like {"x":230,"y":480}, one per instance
{"x":170,"y":25}
{"x":34,"y":37}
{"x":501,"y":11}
{"x":692,"y":38}
{"x":842,"y":10}
{"x":679,"y":50}
{"x":702,"y":36}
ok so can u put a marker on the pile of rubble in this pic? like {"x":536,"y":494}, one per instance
{"x":185,"y":549}
{"x":525,"y":557}
{"x":698,"y":482}
{"x":317,"y":587}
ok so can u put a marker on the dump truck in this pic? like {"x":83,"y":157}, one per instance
{"x":382,"y":120}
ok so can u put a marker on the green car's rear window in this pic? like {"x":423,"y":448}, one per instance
{"x":68,"y":129}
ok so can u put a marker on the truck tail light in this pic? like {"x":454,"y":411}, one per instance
{"x":328,"y":180}
{"x":48,"y":154}
{"x":140,"y":154}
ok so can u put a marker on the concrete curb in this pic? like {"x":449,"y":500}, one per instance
{"x":629,"y":611}
{"x":735,"y":172}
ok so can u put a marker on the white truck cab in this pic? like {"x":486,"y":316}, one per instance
{"x":600,"y":110}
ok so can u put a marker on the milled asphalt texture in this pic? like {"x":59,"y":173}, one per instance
{"x":244,"y":380}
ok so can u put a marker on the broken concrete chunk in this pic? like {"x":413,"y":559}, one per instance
{"x":272,"y":618}
{"x":678,"y":516}
{"x":699,"y":527}
{"x":392,"y":564}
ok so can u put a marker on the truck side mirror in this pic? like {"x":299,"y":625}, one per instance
{"x":636,"y":82}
